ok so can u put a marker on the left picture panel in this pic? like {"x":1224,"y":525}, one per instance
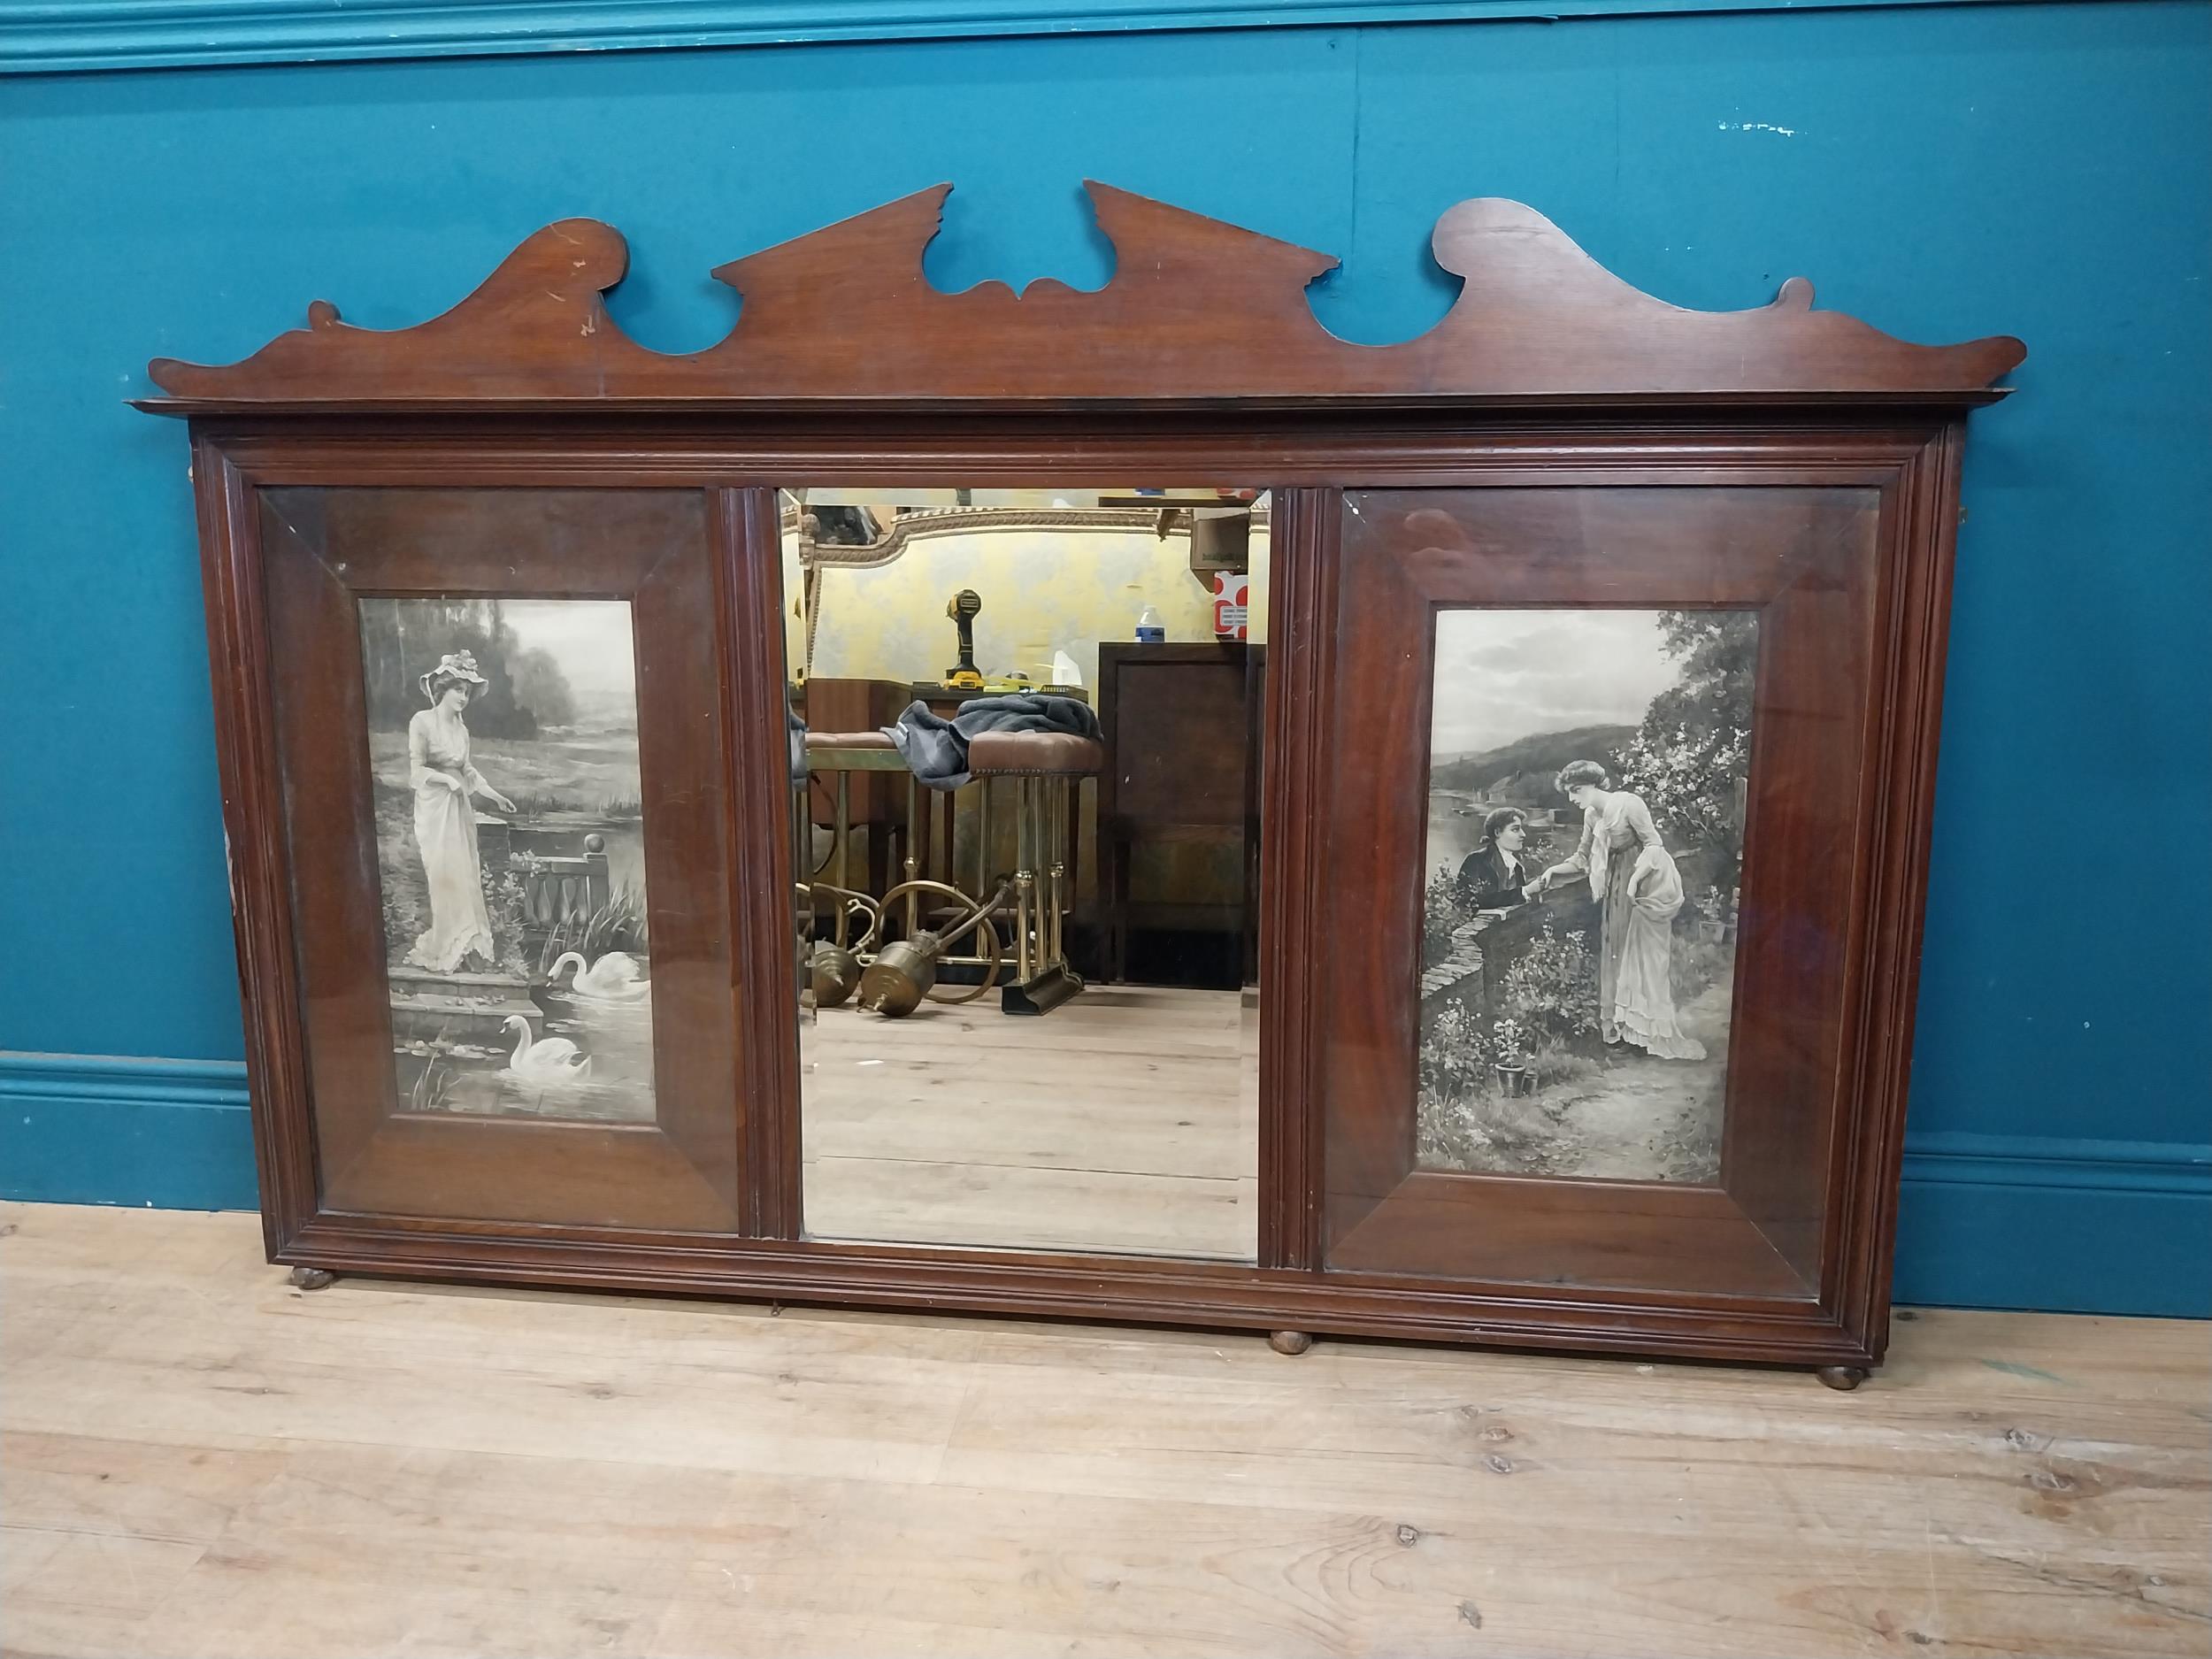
{"x":511,"y":853}
{"x":505,"y":736}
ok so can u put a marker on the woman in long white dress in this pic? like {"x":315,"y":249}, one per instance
{"x":1638,"y":893}
{"x":443,"y":778}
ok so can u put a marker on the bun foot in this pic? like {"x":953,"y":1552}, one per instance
{"x":312,"y":1279}
{"x":1290,"y":1342}
{"x":1843,"y":1377}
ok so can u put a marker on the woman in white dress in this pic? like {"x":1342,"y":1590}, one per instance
{"x":1638,"y":892}
{"x":440,"y":771}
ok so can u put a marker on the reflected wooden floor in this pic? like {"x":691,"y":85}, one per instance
{"x":1124,"y":1120}
{"x":196,"y":1460}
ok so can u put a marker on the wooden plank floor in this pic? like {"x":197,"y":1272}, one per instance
{"x":1124,"y":1120}
{"x":198,"y":1460}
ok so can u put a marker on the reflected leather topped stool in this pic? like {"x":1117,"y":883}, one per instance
{"x":876,"y":808}
{"x":1046,"y":768}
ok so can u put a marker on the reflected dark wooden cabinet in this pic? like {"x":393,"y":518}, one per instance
{"x":1594,"y":762}
{"x":1188,"y":775}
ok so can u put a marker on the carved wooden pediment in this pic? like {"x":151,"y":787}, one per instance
{"x":1197,"y":312}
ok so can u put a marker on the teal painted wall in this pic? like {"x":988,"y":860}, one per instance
{"x":2038,"y":170}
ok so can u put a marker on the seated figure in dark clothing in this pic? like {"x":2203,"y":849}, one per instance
{"x":1498,"y":875}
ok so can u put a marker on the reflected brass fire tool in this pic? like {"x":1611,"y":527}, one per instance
{"x":1036,"y":897}
{"x":833,"y":970}
{"x":904,"y":970}
{"x":962,"y":608}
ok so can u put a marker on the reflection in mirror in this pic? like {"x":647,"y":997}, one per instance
{"x":1028,"y":843}
{"x":1587,"y":789}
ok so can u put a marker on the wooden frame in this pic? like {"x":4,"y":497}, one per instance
{"x":1808,"y":562}
{"x":1199,"y":364}
{"x":653,"y":549}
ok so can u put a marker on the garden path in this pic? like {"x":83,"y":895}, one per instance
{"x":1640,"y":1119}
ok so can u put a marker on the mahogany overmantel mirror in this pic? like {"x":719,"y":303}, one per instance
{"x":1117,"y":804}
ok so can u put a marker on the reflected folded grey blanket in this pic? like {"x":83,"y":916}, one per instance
{"x":795,"y":732}
{"x":936,"y":749}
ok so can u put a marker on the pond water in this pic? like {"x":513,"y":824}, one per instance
{"x":618,"y":1088}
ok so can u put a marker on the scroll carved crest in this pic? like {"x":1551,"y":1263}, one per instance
{"x":1197,"y":309}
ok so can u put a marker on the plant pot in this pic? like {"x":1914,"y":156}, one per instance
{"x":1513,"y":1080}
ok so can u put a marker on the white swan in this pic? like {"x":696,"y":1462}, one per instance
{"x":549,"y":1060}
{"x":612,"y":978}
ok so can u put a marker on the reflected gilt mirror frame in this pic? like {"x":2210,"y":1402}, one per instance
{"x":1558,"y":441}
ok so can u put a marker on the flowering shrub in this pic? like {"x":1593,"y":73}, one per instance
{"x":1686,"y":757}
{"x":1689,"y":781}
{"x":1455,"y":1054}
{"x":509,"y":908}
{"x":1551,"y":991}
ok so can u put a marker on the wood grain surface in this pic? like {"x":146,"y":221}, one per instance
{"x":1200,"y":360}
{"x":1197,"y":310}
{"x":1808,"y":563}
{"x":202,"y":1461}
{"x":317,"y":551}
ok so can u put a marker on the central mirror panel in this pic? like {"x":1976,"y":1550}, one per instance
{"x":1027,"y":837}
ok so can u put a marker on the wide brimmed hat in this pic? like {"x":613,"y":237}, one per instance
{"x":454,"y":665}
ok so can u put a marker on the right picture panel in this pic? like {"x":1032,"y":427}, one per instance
{"x":1587,"y":793}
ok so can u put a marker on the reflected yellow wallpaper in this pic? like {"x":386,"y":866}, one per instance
{"x":1044,"y":591}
